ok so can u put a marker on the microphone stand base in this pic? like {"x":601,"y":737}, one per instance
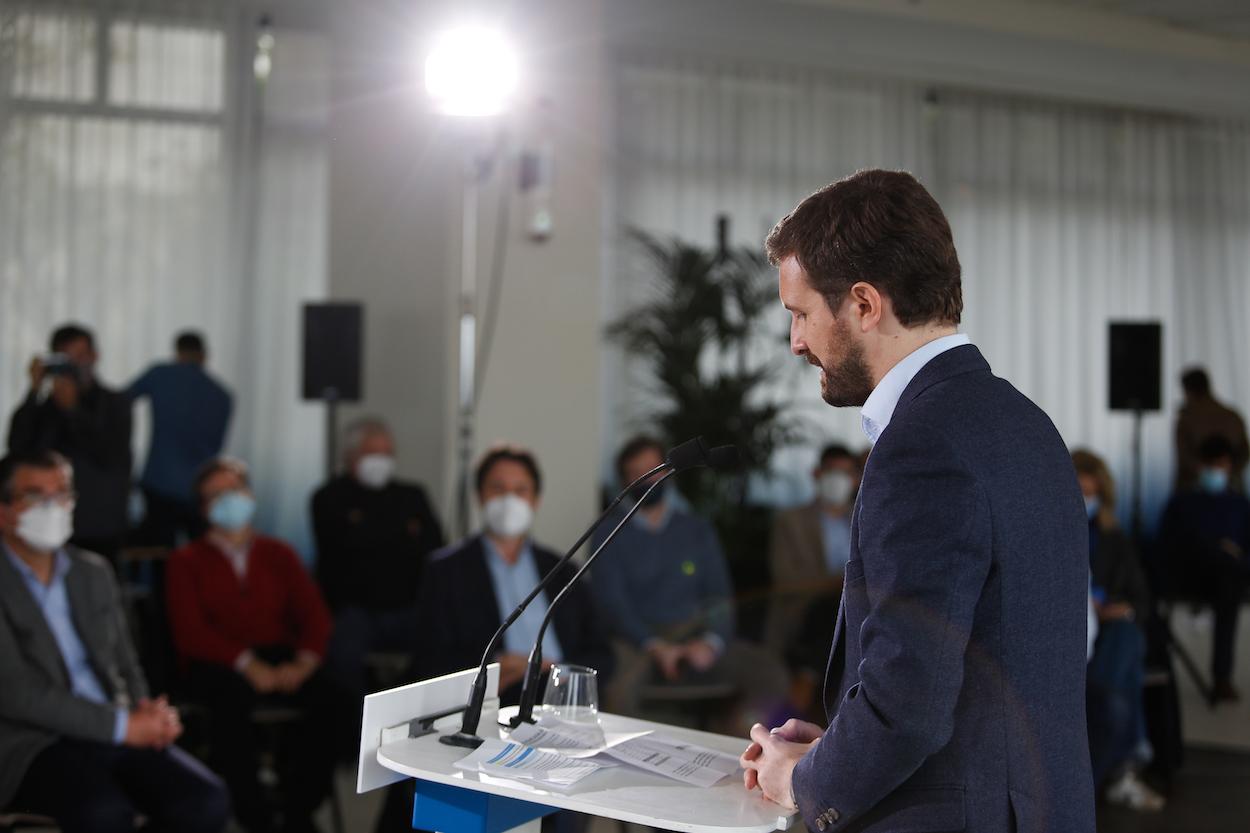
{"x":461,"y":739}
{"x":516,"y":720}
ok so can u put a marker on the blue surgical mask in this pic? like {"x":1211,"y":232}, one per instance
{"x":1213,"y":480}
{"x":232,"y":511}
{"x":1092,"y":504}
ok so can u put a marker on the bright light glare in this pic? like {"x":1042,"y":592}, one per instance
{"x":472,"y":71}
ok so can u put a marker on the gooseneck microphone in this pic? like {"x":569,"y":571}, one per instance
{"x":689,"y":454}
{"x":721,"y":457}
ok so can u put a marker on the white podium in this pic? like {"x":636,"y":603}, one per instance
{"x":451,"y":800}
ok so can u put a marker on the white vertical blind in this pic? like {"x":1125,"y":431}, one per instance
{"x":1065,"y":218}
{"x":158,"y":188}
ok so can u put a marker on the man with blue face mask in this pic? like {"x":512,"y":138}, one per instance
{"x":808,"y":550}
{"x":250,"y":628}
{"x":1205,"y":534}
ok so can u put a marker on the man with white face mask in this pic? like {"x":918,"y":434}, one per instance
{"x":809,"y":547}
{"x":79,"y":739}
{"x":471,"y":586}
{"x":374,"y":534}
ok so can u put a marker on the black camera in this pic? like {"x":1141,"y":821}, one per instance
{"x":58,"y":364}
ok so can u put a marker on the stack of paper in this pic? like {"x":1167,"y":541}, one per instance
{"x":515,"y":760}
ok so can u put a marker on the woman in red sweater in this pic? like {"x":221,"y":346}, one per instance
{"x":250,"y":627}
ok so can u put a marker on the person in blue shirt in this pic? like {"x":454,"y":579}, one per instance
{"x":1205,"y":537}
{"x":190,"y":415}
{"x":80,"y":739}
{"x":664,"y":586}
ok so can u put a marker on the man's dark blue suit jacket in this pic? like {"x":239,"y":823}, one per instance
{"x":956,"y":687}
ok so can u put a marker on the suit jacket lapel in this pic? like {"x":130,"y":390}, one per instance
{"x":82,"y":613}
{"x":480,"y":578}
{"x":25,"y":614}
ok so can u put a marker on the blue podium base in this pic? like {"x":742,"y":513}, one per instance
{"x":455,"y":810}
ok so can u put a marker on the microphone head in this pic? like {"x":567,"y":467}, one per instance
{"x":724,"y":457}
{"x":688,"y":455}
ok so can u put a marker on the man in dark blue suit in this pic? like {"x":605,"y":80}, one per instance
{"x":956,"y":685}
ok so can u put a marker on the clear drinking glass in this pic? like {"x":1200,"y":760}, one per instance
{"x":572,"y":694}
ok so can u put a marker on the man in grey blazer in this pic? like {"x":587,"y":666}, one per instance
{"x":808,"y":549}
{"x":956,"y":686}
{"x":79,"y":739}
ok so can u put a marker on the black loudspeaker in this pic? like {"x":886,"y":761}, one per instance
{"x":1136,"y":366}
{"x":333,"y":351}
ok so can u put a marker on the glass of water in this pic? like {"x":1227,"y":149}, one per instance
{"x":572,"y":694}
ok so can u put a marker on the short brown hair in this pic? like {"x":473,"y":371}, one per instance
{"x":882,"y":228}
{"x":637,"y":445}
{"x":512,"y":453}
{"x":220,"y":464}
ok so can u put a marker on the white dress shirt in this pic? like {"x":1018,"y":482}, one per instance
{"x":879,"y":408}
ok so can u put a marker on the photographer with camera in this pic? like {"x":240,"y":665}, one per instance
{"x":70,"y":412}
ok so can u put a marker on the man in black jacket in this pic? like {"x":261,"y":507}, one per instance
{"x":374,"y":534}
{"x":469,"y":587}
{"x":86,"y":422}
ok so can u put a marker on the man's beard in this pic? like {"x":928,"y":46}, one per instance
{"x":849,"y":383}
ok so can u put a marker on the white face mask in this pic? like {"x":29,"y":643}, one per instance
{"x":508,"y":516}
{"x":46,"y":526}
{"x":375,"y":470}
{"x":835,"y":488}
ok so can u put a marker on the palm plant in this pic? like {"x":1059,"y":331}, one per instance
{"x":699,"y":333}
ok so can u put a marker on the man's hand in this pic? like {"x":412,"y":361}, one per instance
{"x":667,"y":657}
{"x":153,"y":724}
{"x":36,"y":373}
{"x":65,"y":392}
{"x":770,"y":760}
{"x":511,"y":670}
{"x":261,"y":676}
{"x":701,"y":654}
{"x":291,"y":676}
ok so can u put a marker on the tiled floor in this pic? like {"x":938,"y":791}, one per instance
{"x":1227,"y":726}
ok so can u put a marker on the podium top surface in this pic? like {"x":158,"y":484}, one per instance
{"x":623,"y":792}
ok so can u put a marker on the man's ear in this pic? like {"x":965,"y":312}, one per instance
{"x":867,"y":306}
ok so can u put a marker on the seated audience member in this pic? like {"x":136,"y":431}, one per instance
{"x":1202,"y":416}
{"x":250,"y":628}
{"x":471,"y":586}
{"x":664,"y":585}
{"x":1115,"y":676}
{"x":1205,"y":536}
{"x":83,"y":420}
{"x":374,"y":534}
{"x":80,"y":740}
{"x":809,"y":548}
{"x":190,"y":415}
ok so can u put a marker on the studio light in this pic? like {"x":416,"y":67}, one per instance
{"x":471,"y":71}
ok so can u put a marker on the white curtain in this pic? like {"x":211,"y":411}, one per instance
{"x":1065,"y":218}
{"x":160,"y":187}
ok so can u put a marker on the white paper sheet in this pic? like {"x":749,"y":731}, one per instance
{"x":515,"y":760}
{"x":688,"y":763}
{"x":552,"y":733}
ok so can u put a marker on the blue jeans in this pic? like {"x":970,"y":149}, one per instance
{"x":1113,"y":702}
